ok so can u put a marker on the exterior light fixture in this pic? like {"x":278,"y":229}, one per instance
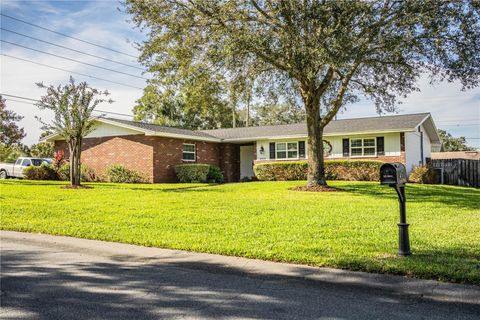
{"x":262,"y":149}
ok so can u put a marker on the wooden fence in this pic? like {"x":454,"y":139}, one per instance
{"x":458,"y":172}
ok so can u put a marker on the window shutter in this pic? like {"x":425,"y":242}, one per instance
{"x":380,"y":146}
{"x":346,"y":147}
{"x":272,"y":150}
{"x":301,"y":149}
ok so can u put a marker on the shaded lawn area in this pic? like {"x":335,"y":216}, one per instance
{"x":355,"y":229}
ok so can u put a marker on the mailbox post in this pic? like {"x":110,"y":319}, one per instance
{"x":395,"y":175}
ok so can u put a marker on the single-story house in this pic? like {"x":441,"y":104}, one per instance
{"x":155,"y":150}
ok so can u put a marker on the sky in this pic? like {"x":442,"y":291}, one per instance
{"x":101,"y":23}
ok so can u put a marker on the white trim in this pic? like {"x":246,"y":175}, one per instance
{"x":183,"y":136}
{"x":190,"y":152}
{"x":429,"y":116}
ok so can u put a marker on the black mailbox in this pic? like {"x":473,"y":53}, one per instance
{"x":393,"y":174}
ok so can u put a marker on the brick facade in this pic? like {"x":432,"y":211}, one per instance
{"x":155,"y":157}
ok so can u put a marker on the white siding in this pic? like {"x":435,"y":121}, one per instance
{"x":266,"y":146}
{"x":109,"y":130}
{"x":391,"y":140}
{"x":413,"y":148}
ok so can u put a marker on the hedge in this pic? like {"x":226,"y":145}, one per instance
{"x":423,"y":174}
{"x":87,"y":174}
{"x":195,"y":173}
{"x":120,"y":174}
{"x":42,"y":172}
{"x":350,"y":170}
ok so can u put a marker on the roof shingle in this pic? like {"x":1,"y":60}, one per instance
{"x":405,"y":122}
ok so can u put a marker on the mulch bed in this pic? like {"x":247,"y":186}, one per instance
{"x":77,"y":187}
{"x":316,"y":189}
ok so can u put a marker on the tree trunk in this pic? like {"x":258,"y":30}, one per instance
{"x":75,"y":151}
{"x":247,"y":120}
{"x":316,"y":163}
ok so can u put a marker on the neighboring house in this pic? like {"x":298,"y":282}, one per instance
{"x":156,"y":150}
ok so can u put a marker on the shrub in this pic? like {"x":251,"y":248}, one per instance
{"x":188,"y":173}
{"x":351,"y":170}
{"x":215,"y":175}
{"x":58,"y":160}
{"x":42,"y":172}
{"x":120,"y":174}
{"x":87,"y":174}
{"x":423,"y":174}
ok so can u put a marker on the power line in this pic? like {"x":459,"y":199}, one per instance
{"x":69,"y":71}
{"x":19,"y":97}
{"x":68,"y":36}
{"x":74,"y":50}
{"x":74,"y":60}
{"x":35,"y":100}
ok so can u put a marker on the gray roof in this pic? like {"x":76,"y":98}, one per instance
{"x":406,"y":122}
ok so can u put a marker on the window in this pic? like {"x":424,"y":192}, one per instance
{"x":188,"y":152}
{"x":37,"y":162}
{"x":287,"y":150}
{"x":26,"y":162}
{"x":363,"y":147}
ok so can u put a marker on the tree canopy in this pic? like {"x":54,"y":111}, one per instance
{"x":332,"y":52}
{"x":10,"y":132}
{"x":451,"y":143}
{"x":72,"y":105}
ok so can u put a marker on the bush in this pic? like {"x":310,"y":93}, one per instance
{"x":215,"y":175}
{"x":87,"y":174}
{"x":42,"y":172}
{"x":350,"y":170}
{"x":120,"y":174}
{"x":188,"y":173}
{"x":423,"y":174}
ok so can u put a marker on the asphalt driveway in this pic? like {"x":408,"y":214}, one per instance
{"x":47,"y":277}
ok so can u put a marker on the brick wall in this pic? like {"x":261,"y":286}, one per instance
{"x":230,"y":161}
{"x":167,"y":153}
{"x":133,"y":151}
{"x":155,"y":157}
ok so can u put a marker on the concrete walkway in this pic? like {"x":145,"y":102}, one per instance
{"x":51,"y":277}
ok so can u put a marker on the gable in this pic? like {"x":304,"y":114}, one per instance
{"x":102,"y":129}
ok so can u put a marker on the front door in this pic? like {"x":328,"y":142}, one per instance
{"x":246,"y":161}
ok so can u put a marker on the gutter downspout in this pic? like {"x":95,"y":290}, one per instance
{"x":421,"y":146}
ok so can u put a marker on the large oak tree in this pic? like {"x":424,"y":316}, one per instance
{"x":333,"y":51}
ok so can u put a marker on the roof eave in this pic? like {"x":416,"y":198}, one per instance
{"x":433,"y":133}
{"x":183,"y":136}
{"x":325,"y":135}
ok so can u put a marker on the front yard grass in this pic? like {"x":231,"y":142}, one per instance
{"x":355,"y":229}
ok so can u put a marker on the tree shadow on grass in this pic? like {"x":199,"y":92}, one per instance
{"x":123,"y":288}
{"x":460,"y":265}
{"x":459,"y":197}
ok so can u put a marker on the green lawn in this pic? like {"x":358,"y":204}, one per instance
{"x":355,"y":229}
